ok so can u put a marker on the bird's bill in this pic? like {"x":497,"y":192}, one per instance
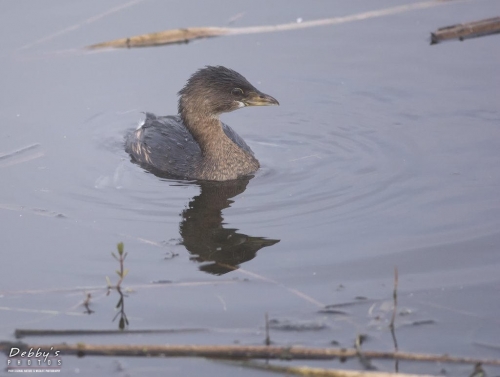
{"x":260,"y":99}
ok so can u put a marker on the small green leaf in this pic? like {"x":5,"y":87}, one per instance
{"x":114,"y":256}
{"x":108,"y":281}
{"x":125,"y":273}
{"x":120,"y":248}
{"x":119,"y":273}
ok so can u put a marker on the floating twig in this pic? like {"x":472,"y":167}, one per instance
{"x":468,"y":30}
{"x":176,"y":36}
{"x":13,"y":158}
{"x":86,"y":303}
{"x":241,"y":352}
{"x":4,"y":156}
{"x":82,"y":23}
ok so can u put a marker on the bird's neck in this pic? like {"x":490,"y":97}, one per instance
{"x":205,"y":128}
{"x":220,"y":154}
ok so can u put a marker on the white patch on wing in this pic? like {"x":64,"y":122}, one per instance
{"x":141,"y":123}
{"x":240,"y":104}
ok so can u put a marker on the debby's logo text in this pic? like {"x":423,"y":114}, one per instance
{"x":33,"y":360}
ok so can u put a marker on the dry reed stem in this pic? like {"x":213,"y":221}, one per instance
{"x":241,"y":352}
{"x":184,"y":35}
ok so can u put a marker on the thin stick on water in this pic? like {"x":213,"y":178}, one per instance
{"x":474,"y":29}
{"x":239,"y":352}
{"x":103,"y":288}
{"x":14,"y":157}
{"x":293,"y":291}
{"x":86,"y":303}
{"x":4,"y":156}
{"x":184,"y":35}
{"x":78,"y":25}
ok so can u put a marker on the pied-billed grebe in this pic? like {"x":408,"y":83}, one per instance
{"x":196,"y":144}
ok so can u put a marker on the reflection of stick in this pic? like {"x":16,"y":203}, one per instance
{"x":22,"y":333}
{"x":361,"y":356}
{"x":185,"y":35}
{"x":267,"y":342}
{"x":393,"y":318}
{"x":395,"y":298}
{"x":239,"y":352}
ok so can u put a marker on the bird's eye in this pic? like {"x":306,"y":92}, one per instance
{"x":237,"y":92}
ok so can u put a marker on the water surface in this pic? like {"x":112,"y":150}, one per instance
{"x":383,"y":153}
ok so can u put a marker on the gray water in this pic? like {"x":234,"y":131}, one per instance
{"x":384,"y":153}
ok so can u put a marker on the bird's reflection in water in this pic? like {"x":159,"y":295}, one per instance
{"x":219,"y":249}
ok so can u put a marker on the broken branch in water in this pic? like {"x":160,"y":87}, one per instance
{"x":175,"y":36}
{"x":239,"y":352}
{"x":164,"y":37}
{"x":468,"y":30}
